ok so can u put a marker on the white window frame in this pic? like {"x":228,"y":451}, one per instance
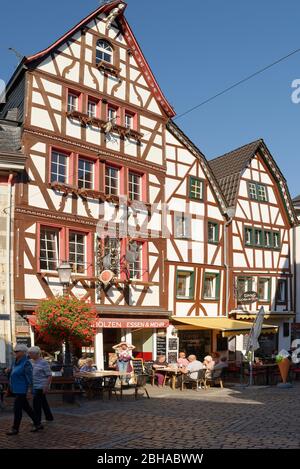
{"x":182,"y":226}
{"x":128,"y":120}
{"x":73,"y":102}
{"x":84,"y":182}
{"x":104,"y":51}
{"x":78,"y":267}
{"x":92,"y":104}
{"x":55,"y":242}
{"x":213,"y":278}
{"x":62,"y":162}
{"x":266,"y":288}
{"x":109,"y":188}
{"x":136,"y":267}
{"x":134,"y":186}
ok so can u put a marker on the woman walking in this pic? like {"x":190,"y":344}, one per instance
{"x":21,"y":379}
{"x":41,"y":382}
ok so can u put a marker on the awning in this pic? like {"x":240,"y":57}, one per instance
{"x":228,"y":327}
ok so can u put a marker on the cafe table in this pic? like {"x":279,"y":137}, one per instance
{"x":173,"y":372}
{"x":91,"y":377}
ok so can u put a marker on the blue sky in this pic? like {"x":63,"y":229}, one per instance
{"x":196,"y":49}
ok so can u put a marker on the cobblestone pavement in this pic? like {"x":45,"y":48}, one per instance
{"x":261,"y":417}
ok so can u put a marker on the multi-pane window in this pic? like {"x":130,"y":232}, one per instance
{"x":211,"y":289}
{"x":268,"y":241}
{"x":128,"y":121}
{"x":72,"y":102}
{"x":196,"y":188}
{"x":77,"y":254}
{"x":262,"y":193}
{"x":85,"y":174}
{"x":111,"y":180}
{"x":281,"y":291}
{"x":213,"y":232}
{"x":258,"y":237}
{"x":92,"y":108}
{"x":185,"y":284}
{"x":49,"y":249}
{"x":248,"y":236}
{"x":59,"y":167}
{"x":276,"y":239}
{"x":264,"y":289}
{"x":182,"y":226}
{"x":104,"y":51}
{"x":244,"y":284}
{"x":112,"y":115}
{"x":135,"y":267}
{"x":257,"y":191}
{"x":134,"y":181}
{"x":111,"y":258}
{"x":252,"y":190}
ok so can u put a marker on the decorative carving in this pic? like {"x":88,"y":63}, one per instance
{"x":114,"y":14}
{"x":109,"y":68}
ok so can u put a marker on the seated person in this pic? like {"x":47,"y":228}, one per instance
{"x":182,"y":360}
{"x":216,"y":357}
{"x":160,"y":363}
{"x":221,"y":364}
{"x":209,"y":365}
{"x":191,"y":370}
{"x":88,"y":367}
{"x":258,"y":361}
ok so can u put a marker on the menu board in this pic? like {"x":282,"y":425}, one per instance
{"x":138,"y":366}
{"x":161,"y":345}
{"x":173,"y":344}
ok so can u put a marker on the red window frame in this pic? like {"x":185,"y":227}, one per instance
{"x":134,"y":118}
{"x":70,"y":168}
{"x":97,"y":102}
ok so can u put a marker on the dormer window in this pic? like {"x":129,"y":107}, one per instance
{"x":104,"y":51}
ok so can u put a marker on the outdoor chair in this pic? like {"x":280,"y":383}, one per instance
{"x":199,"y":382}
{"x":140,"y":381}
{"x":214,"y":377}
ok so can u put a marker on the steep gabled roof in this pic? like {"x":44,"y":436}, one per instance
{"x":180,"y":135}
{"x":135,"y":49}
{"x":228,"y":170}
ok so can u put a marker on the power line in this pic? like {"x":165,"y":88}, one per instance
{"x":258,"y":72}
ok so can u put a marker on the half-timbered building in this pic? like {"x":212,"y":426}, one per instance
{"x":260,"y":239}
{"x":113,"y":187}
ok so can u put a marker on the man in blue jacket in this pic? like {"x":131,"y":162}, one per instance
{"x":21,"y":380}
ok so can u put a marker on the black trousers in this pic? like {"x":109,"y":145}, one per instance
{"x":21,"y":403}
{"x":40,"y":402}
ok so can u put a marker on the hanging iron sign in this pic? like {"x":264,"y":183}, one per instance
{"x":248,"y":297}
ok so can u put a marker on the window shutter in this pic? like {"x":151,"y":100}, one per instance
{"x":217,"y":233}
{"x":192,"y":286}
{"x":218,"y":279}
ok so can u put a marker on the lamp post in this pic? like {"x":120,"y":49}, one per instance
{"x":64,"y":272}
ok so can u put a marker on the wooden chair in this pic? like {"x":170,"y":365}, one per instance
{"x":186,"y":379}
{"x":214,"y":377}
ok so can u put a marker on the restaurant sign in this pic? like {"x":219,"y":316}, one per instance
{"x":248,"y":297}
{"x":116,"y":323}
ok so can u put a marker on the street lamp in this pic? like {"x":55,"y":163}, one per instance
{"x":64,"y":272}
